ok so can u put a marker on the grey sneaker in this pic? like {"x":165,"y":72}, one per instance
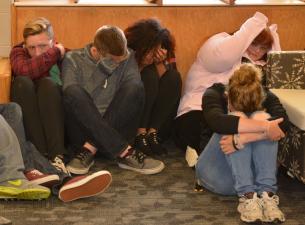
{"x":250,"y":209}
{"x":272,"y":212}
{"x":81,"y":163}
{"x":139,"y":162}
{"x":23,"y":189}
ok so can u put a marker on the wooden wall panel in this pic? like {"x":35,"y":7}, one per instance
{"x":75,"y":26}
{"x":5,"y":80}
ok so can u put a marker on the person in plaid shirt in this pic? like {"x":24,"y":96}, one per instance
{"x":37,"y":89}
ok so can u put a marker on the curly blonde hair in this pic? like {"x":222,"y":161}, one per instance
{"x":245,"y":91}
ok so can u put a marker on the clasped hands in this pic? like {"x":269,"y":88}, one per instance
{"x":272,"y":132}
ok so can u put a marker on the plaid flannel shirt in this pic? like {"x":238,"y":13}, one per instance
{"x":36,"y":67}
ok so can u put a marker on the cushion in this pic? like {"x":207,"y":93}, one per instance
{"x":293,"y":101}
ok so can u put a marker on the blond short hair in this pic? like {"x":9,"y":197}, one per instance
{"x":38,"y":26}
{"x":110,"y":39}
{"x":245,"y":90}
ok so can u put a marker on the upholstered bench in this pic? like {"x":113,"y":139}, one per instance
{"x":5,"y":80}
{"x":285,"y":74}
{"x":292,"y":147}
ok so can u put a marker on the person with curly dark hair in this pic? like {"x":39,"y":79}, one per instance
{"x":154,"y":48}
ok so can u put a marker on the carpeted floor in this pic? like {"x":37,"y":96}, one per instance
{"x":163,"y":199}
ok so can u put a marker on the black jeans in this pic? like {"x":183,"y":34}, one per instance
{"x":110,"y":133}
{"x":43,"y":115}
{"x":188,"y":128}
{"x":162,"y":97}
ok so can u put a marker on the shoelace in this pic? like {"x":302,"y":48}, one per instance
{"x":83,"y":155}
{"x":142,"y":139}
{"x":139,"y":156}
{"x":272,"y":202}
{"x":251,"y":201}
{"x":144,"y":142}
{"x":155,"y":137}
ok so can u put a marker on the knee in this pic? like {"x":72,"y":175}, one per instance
{"x":22,"y":83}
{"x":75,"y":95}
{"x":150,"y":78}
{"x":260,"y":115}
{"x":149,"y":74}
{"x":239,"y":114}
{"x":73,"y":90}
{"x":12,"y":110}
{"x":134,"y":89}
{"x":173,"y":77}
{"x":47,"y":85}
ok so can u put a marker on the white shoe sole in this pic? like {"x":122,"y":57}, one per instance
{"x":91,"y":185}
{"x":48,"y":181}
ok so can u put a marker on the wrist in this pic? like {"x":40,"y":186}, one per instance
{"x":234,"y":143}
{"x":237,"y":141}
{"x":266,"y":128}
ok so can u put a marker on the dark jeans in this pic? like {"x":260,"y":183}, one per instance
{"x":43,"y":115}
{"x":31,"y":157}
{"x":110,"y":133}
{"x":188,"y":130}
{"x":162,"y":97}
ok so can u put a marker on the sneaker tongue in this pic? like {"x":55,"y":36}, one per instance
{"x":129,"y":152}
{"x":249,"y":195}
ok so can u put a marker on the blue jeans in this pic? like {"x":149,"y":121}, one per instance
{"x":32,"y":158}
{"x":252,"y":169}
{"x":110,"y":133}
{"x":11,"y":163}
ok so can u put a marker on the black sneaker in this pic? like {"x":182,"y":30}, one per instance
{"x":142,"y":144}
{"x":137,"y":161}
{"x":155,"y":145}
{"x":82,"y":162}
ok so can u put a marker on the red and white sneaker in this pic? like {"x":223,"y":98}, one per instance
{"x":85,"y":186}
{"x":37,"y":177}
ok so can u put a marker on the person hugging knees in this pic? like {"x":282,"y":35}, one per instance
{"x":251,"y":156}
{"x":154,"y":48}
{"x":36,"y":87}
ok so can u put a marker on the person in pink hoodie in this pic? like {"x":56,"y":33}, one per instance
{"x":216,"y":60}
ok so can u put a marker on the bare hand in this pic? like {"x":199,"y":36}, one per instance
{"x":160,"y":55}
{"x":61,"y":48}
{"x":226,"y":144}
{"x":274,"y":132}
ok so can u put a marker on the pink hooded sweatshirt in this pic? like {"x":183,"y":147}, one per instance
{"x":219,"y":57}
